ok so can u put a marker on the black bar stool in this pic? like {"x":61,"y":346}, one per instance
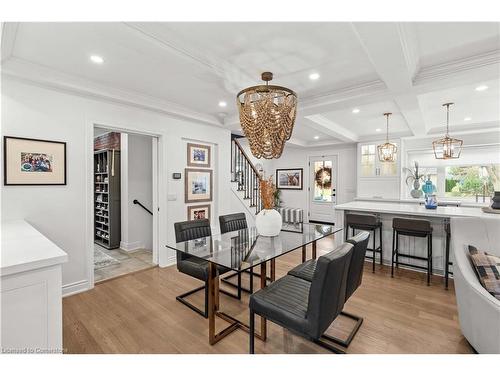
{"x":368,"y":223}
{"x":411,"y":228}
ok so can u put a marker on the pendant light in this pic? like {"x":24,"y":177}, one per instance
{"x":387,"y":151}
{"x":447,"y":147}
{"x":267,"y":115}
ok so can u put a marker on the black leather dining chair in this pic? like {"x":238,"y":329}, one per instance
{"x":306,"y":308}
{"x":193,"y":266}
{"x":355,"y":276}
{"x":231,"y":223}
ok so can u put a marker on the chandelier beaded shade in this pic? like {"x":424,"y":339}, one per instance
{"x":387,"y":152}
{"x":447,"y":147}
{"x":267,"y":116}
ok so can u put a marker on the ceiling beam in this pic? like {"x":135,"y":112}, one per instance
{"x":331,"y":128}
{"x":392,"y":50}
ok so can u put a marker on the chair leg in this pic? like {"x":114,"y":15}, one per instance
{"x":397,"y":249}
{"x":239,"y":285}
{"x":429,"y":258}
{"x":251,"y":280}
{"x":447,"y":261}
{"x":346,"y":232}
{"x":347,"y":342}
{"x":181,"y":299}
{"x":380,"y":239}
{"x":252,"y":332}
{"x":373,"y":252}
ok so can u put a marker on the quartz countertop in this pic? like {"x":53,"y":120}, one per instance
{"x":413,"y":209}
{"x":25,"y":249}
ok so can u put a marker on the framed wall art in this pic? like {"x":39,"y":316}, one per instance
{"x":290,"y":179}
{"x":30,"y":161}
{"x":198,"y":155}
{"x":198,"y":212}
{"x":198,"y":185}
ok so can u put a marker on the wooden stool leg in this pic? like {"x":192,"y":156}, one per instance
{"x":380,"y":239}
{"x":374,"y":252}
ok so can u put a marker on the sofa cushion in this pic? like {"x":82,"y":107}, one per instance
{"x":488,"y":270}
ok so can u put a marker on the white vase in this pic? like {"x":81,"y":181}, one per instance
{"x":268,"y":223}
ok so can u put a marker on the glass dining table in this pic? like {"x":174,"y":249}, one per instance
{"x":244,"y":249}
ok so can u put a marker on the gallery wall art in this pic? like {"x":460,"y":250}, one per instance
{"x":30,"y":161}
{"x":198,"y":155}
{"x":290,"y":179}
{"x":198,"y":185}
{"x":198,"y":212}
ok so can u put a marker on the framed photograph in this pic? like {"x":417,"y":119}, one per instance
{"x":34,"y":161}
{"x":198,"y":185}
{"x":198,"y":212}
{"x":289,"y":178}
{"x":198,"y":155}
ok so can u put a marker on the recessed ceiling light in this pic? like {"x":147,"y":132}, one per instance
{"x":378,"y":130}
{"x":222,"y":104}
{"x":313,"y":76}
{"x":96,"y":59}
{"x":355,"y":110}
{"x":467,"y":119}
{"x":316,"y":137}
{"x":481,"y":88}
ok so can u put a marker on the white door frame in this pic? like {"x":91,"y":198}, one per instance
{"x":157,"y":172}
{"x":310,"y":181}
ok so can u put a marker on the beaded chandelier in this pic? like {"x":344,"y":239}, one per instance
{"x":387,"y":152}
{"x":267,"y":116}
{"x":447,"y":147}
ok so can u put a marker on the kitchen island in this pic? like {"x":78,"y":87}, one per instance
{"x":438,"y":217}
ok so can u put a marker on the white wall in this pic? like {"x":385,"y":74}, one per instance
{"x":63,"y":212}
{"x":294,"y":157}
{"x":137,"y":183}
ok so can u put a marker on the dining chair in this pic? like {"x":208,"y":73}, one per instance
{"x":354,"y":278}
{"x":231,"y":223}
{"x":193,"y":266}
{"x":306,"y":308}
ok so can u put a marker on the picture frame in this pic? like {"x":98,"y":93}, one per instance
{"x":198,"y":185}
{"x":198,"y":155}
{"x":33,"y":162}
{"x":198,"y":212}
{"x":290,"y":179}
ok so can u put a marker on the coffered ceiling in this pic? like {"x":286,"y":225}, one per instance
{"x":186,"y":69}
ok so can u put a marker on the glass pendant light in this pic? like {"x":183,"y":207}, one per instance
{"x":387,"y":151}
{"x":447,"y":147}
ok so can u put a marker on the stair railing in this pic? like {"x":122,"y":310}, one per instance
{"x":246,"y":175}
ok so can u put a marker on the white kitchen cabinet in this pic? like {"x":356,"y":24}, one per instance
{"x":377,"y":179}
{"x":31,"y":300}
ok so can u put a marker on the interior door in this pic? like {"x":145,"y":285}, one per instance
{"x":323,"y":188}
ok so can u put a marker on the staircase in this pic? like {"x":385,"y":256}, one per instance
{"x":245,"y":179}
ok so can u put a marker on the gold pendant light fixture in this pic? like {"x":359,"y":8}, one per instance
{"x":267,"y":115}
{"x":387,"y":152}
{"x":447,"y":147}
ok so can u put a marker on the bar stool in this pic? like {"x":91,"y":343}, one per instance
{"x":368,"y":223}
{"x":411,"y":228}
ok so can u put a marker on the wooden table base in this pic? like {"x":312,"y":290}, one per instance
{"x":213,"y":306}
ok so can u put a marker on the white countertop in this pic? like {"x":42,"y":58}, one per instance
{"x":413,"y":209}
{"x":25,"y":249}
{"x":422,"y":200}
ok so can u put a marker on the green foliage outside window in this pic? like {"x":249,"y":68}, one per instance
{"x":472,"y":180}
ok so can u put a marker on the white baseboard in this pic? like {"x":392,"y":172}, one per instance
{"x":170,"y":261}
{"x":131,"y":246}
{"x":76,"y":287}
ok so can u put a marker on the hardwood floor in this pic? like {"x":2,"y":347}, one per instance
{"x":138,"y":313}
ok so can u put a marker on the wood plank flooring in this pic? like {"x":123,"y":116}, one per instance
{"x":138,"y":313}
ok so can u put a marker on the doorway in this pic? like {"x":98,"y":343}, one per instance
{"x":323,"y":188}
{"x":124,"y":176}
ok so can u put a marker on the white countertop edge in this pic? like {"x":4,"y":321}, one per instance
{"x":19,"y":255}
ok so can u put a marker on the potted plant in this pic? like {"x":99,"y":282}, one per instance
{"x":413,"y":179}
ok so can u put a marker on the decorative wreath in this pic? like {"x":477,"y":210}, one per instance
{"x":324,"y":177}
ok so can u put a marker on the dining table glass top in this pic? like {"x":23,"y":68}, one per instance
{"x":245,"y":248}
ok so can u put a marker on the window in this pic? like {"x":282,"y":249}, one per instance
{"x":323,"y":181}
{"x":367,"y":160}
{"x":471,"y":181}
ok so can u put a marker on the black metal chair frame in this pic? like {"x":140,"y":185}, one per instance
{"x":372,"y":229}
{"x":395,"y":252}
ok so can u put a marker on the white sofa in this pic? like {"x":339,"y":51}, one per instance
{"x":478,"y":310}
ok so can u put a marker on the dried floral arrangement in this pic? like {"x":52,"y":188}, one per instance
{"x":267,"y":191}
